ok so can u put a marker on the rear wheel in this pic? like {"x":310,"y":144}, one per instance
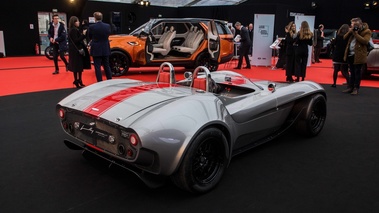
{"x":204,"y":59}
{"x":313,"y":116}
{"x":119,"y":63}
{"x":204,"y":163}
{"x":49,"y":52}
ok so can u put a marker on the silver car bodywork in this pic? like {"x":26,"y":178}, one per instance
{"x":166,"y":118}
{"x":372,"y":66}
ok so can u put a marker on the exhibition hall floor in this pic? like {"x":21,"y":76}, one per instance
{"x":337,"y":171}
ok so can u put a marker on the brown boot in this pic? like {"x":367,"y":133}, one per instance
{"x":348,"y":90}
{"x":354,"y":92}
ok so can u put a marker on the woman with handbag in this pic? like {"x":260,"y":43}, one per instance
{"x":79,"y":58}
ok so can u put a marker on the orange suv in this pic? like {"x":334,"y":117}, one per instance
{"x":188,"y":42}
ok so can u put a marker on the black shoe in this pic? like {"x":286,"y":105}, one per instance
{"x":56,"y":72}
{"x":247,"y":67}
{"x":333,"y":85}
{"x":237,"y":68}
{"x":76,"y":83}
{"x":81,"y":83}
{"x":297,"y":79}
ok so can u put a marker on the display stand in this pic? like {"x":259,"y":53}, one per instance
{"x":275,"y":46}
{"x":2,"y":46}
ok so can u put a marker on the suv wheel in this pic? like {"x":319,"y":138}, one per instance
{"x":119,"y":63}
{"x":204,"y":59}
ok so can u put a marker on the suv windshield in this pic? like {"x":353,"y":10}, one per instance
{"x":145,"y":28}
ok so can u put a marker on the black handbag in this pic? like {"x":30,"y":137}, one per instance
{"x":81,"y":50}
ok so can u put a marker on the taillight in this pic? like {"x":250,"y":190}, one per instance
{"x":133,"y":139}
{"x":61,"y":113}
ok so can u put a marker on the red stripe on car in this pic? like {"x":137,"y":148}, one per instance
{"x":104,"y":104}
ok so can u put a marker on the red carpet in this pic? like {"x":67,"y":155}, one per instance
{"x":33,"y":74}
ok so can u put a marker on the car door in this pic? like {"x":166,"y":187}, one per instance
{"x":213,"y":41}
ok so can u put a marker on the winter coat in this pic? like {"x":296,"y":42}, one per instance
{"x":77,"y":62}
{"x":62,"y":36}
{"x":339,"y":49}
{"x":362,"y":38}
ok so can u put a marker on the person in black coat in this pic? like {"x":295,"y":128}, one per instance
{"x":319,"y":42}
{"x":302,"y":41}
{"x":58,"y":40}
{"x":291,"y":34}
{"x":100,"y":48}
{"x":244,"y":46}
{"x":339,"y":64}
{"x":84,"y":27}
{"x":77,"y":61}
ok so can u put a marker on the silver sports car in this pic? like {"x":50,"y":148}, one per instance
{"x":187,"y":130}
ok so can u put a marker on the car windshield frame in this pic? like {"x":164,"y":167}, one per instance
{"x":143,"y":28}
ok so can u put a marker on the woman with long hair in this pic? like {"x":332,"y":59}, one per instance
{"x":339,"y":64}
{"x":290,"y":30}
{"x":77,"y":50}
{"x":302,"y":41}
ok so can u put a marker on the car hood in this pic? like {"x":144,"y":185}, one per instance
{"x":118,"y":100}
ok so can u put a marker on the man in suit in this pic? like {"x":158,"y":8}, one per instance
{"x":58,"y":40}
{"x":244,"y":46}
{"x":251,"y":35}
{"x":319,"y":43}
{"x":98,"y":34}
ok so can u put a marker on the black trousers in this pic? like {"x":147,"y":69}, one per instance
{"x":97,"y":62}
{"x":56,"y":52}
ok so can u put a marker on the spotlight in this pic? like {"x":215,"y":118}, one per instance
{"x":143,"y":2}
{"x":314,"y":5}
{"x":374,"y":4}
{"x":367,"y":5}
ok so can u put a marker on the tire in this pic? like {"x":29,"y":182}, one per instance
{"x":313,"y":116}
{"x":204,"y":162}
{"x":119,"y":63}
{"x":204,"y":59}
{"x":49,"y":52}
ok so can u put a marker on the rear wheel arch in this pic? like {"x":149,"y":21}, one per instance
{"x":185,"y":177}
{"x":311,"y":115}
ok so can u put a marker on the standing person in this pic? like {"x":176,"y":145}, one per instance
{"x":84,"y":27}
{"x":358,"y":38}
{"x":77,"y":61}
{"x":99,"y":33}
{"x":58,"y":40}
{"x":302,"y":41}
{"x":251,"y":35}
{"x":319,"y":43}
{"x":244,"y":46}
{"x":291,"y":34}
{"x":339,"y":64}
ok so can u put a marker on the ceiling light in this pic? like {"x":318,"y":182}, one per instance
{"x":367,"y":5}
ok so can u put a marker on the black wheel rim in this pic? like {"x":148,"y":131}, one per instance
{"x":207,"y":161}
{"x":318,"y":116}
{"x":118,"y":64}
{"x":206,"y":61}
